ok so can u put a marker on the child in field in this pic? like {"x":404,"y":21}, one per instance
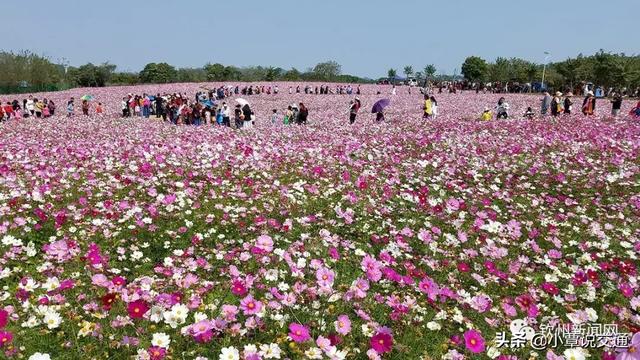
{"x":288,"y":115}
{"x":434,"y":107}
{"x":274,"y":116}
{"x":99,"y":109}
{"x":529,"y":113}
{"x":486,"y":114}
{"x":70,"y":108}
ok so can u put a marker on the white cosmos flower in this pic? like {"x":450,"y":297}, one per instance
{"x":39,"y":356}
{"x":575,"y":354}
{"x":161,"y":340}
{"x":313,"y":353}
{"x":229,"y":353}
{"x":52,"y":319}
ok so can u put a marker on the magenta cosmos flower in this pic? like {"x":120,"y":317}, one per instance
{"x":5,"y":338}
{"x":250,"y":306}
{"x":298,"y":332}
{"x":474,"y":341}
{"x":137,"y":309}
{"x":156,"y":353}
{"x":4,"y":317}
{"x":238,"y":288}
{"x":381,"y":342}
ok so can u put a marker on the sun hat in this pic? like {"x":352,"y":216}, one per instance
{"x":558,"y":93}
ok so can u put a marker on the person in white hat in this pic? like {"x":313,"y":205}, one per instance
{"x":486,"y":114}
{"x":556,"y":104}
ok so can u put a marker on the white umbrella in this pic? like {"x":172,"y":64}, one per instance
{"x":242,"y":101}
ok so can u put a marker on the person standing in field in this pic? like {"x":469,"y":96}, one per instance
{"x":237,"y":117}
{"x":546,"y":103}
{"x":303,"y":113}
{"x":288,"y":116}
{"x":427,"y":107}
{"x":556,"y":104}
{"x":85,"y":107}
{"x":70,"y":108}
{"x":589,"y":104}
{"x":226,"y":115}
{"x":30,"y":105}
{"x":568,"y":104}
{"x":434,"y":107}
{"x":616,"y":104}
{"x":353,"y":110}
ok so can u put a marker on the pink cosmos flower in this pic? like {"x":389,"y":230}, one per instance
{"x":250,"y":306}
{"x":429,"y":287}
{"x":473,"y":341}
{"x":343,"y":325}
{"x":632,"y":352}
{"x":298,"y":332}
{"x":264,"y":243}
{"x":381,"y":342}
{"x":371,"y":267}
{"x":325,"y":277}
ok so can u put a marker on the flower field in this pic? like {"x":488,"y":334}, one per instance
{"x":410,"y":239}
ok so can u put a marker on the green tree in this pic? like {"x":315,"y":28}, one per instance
{"x":392,"y":75}
{"x":327,"y":71}
{"x":158,"y":73}
{"x":408,"y":71}
{"x":124,"y":78}
{"x":216,"y":72}
{"x":291,"y":75}
{"x":474,"y":69}
{"x":429,"y":72}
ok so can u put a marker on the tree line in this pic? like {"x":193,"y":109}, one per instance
{"x":602,"y":69}
{"x":29,"y":72}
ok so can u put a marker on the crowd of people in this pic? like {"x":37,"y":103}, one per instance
{"x":560,"y":104}
{"x":29,"y":107}
{"x":205,"y":108}
{"x":209,"y":107}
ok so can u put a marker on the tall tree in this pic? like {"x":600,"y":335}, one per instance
{"x":408,"y":71}
{"x":158,"y":73}
{"x":327,"y":70}
{"x":392,"y":75}
{"x":474,"y":69}
{"x":429,"y":72}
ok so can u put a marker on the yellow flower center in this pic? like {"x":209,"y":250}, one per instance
{"x":473,"y":341}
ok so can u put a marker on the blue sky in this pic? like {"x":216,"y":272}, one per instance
{"x":365,"y":37}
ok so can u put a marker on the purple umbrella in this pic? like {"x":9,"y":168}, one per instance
{"x":380,"y":105}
